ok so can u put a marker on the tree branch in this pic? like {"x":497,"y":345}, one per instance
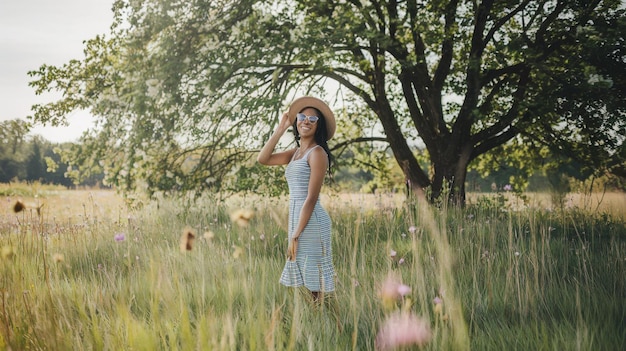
{"x":493,"y":142}
{"x":356,"y":90}
{"x":462,"y":125}
{"x":511,"y":115}
{"x":499,"y":23}
{"x":447,"y":46}
{"x":356,"y":141}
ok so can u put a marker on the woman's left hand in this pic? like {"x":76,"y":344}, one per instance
{"x":292,"y":249}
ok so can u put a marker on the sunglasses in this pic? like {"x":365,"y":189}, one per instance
{"x":301,"y":117}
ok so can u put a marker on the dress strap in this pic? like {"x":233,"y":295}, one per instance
{"x":306,"y":155}
{"x":293,"y":157}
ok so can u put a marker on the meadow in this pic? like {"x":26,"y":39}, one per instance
{"x":83,"y":270}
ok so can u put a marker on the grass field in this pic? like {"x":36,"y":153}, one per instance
{"x":82,"y":271}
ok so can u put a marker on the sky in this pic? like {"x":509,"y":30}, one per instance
{"x":37,"y":32}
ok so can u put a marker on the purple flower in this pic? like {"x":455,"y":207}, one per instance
{"x":120,"y":237}
{"x":508,"y":187}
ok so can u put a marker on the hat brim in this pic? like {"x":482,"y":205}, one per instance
{"x":301,"y":103}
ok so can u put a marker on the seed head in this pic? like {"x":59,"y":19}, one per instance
{"x":186,"y":239}
{"x":19,"y":206}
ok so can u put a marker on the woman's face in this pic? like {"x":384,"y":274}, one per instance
{"x":307,"y":128}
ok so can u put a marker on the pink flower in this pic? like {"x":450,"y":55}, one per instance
{"x":403,"y":289}
{"x":393,"y":253}
{"x":412,"y":229}
{"x":401,"y":330}
{"x":401,"y":261}
{"x":392,"y":290}
{"x":389,"y":289}
{"x":120,"y":237}
{"x":438,"y":308}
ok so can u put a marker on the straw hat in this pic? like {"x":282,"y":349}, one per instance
{"x":301,"y":103}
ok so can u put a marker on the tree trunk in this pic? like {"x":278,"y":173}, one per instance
{"x":450,"y":173}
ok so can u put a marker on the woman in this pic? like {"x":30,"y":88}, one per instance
{"x":309,"y":253}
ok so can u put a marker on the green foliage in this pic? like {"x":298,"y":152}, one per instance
{"x":13,"y":149}
{"x":207,"y":81}
{"x":25,"y":157}
{"x":35,"y":167}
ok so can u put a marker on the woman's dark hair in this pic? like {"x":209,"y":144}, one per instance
{"x":321,"y":134}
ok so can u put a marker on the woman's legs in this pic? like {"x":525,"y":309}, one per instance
{"x":327,"y":302}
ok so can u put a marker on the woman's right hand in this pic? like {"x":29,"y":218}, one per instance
{"x":285,"y":122}
{"x":292,"y":249}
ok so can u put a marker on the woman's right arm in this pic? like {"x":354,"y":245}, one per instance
{"x":267,"y":155}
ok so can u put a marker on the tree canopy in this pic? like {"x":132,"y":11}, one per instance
{"x":186,"y":91}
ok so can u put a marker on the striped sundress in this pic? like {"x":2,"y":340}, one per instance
{"x":313,"y":266}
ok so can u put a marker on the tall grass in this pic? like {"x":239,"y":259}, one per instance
{"x":520,"y":280}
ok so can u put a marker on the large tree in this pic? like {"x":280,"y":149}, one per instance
{"x":184,"y":90}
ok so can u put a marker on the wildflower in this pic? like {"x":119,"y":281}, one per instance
{"x":19,"y":206}
{"x":242,"y":217}
{"x":119,"y":237}
{"x":355,"y":282}
{"x":393,"y":253}
{"x":438,"y":308}
{"x":262,"y":237}
{"x":392,"y":290}
{"x":412,"y":229}
{"x":517,"y":253}
{"x":389,"y":288}
{"x":186,"y":239}
{"x":8,"y":252}
{"x":403,"y":329}
{"x":209,"y":235}
{"x":58,"y":258}
{"x":507,"y":187}
{"x":401,"y":261}
{"x":403,"y":289}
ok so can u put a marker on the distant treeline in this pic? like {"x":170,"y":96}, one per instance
{"x":24,"y":157}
